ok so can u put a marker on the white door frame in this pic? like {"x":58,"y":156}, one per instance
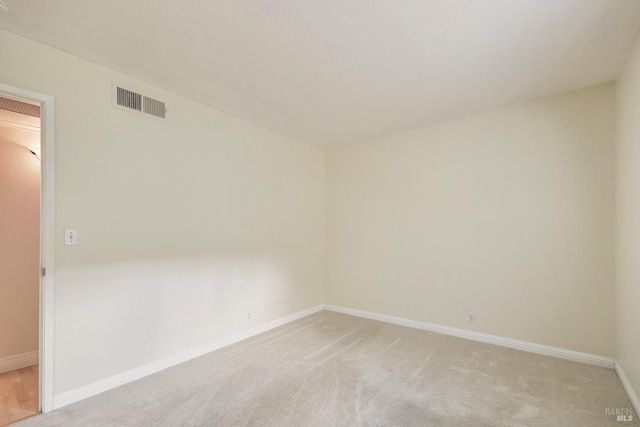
{"x":47,"y":239}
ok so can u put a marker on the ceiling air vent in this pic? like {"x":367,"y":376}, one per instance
{"x":19,"y":107}
{"x":130,"y":100}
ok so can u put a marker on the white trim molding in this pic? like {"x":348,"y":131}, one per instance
{"x":18,"y":361}
{"x":633,"y":397}
{"x":81,"y":393}
{"x":545,"y":350}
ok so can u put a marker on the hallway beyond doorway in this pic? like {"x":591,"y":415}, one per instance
{"x":18,"y":394}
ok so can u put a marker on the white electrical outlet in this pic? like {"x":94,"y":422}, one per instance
{"x":471,"y":318}
{"x":249,"y":315}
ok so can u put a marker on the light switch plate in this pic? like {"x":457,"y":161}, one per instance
{"x":70,"y":236}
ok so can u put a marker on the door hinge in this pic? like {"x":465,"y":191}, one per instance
{"x":44,"y":270}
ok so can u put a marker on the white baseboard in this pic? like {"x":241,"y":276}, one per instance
{"x":81,"y":393}
{"x":633,"y":397}
{"x":560,"y":353}
{"x":18,"y":361}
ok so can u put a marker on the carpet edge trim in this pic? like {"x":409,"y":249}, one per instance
{"x":18,"y":361}
{"x":530,"y":347}
{"x":631,"y":393}
{"x":84,"y":392}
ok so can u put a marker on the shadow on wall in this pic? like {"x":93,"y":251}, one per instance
{"x":112,"y":317}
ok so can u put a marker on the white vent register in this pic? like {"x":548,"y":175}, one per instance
{"x":126,"y":99}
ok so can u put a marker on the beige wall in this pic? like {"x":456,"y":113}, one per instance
{"x":506,"y":214}
{"x":19,"y":243}
{"x":628,"y":218}
{"x":184,"y":226}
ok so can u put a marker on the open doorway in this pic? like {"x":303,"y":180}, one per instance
{"x":26,"y":253}
{"x":20,"y":180}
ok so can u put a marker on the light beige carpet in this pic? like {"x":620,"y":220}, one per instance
{"x":330,"y":369}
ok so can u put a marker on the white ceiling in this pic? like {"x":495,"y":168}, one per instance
{"x":331,"y":72}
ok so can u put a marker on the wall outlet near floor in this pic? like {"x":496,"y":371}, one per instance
{"x":471,"y":318}
{"x":249,"y":315}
